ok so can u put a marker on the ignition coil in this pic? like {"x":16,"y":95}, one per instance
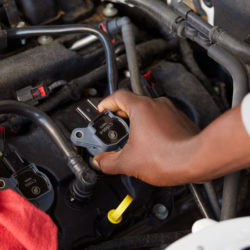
{"x":105,"y":131}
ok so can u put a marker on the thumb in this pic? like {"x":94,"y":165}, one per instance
{"x":107,"y":162}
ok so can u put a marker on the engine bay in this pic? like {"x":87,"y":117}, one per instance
{"x":59,"y":59}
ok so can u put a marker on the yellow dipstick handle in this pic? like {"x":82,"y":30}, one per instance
{"x":115,"y":215}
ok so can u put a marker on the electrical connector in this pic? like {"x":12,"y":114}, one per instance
{"x":32,"y":95}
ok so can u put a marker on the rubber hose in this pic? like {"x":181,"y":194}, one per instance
{"x":125,"y":26}
{"x":239,"y":48}
{"x":165,"y":15}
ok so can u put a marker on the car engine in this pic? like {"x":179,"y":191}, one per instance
{"x":60,"y":58}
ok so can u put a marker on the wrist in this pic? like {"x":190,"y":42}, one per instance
{"x":179,"y":166}
{"x":191,"y":169}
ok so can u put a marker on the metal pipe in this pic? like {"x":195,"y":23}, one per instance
{"x":240,"y":88}
{"x":234,"y":68}
{"x":83,"y":43}
{"x":212,"y":198}
{"x":66,"y":29}
{"x":200,"y":201}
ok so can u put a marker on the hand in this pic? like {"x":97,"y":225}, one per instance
{"x":159,"y":141}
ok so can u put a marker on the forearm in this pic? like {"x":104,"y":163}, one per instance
{"x":223,"y":147}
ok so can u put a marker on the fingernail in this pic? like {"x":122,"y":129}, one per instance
{"x":95,"y":163}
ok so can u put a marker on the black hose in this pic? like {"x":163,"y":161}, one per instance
{"x":66,"y":29}
{"x":81,"y":170}
{"x":188,"y":58}
{"x":240,"y":88}
{"x":171,"y":19}
{"x":239,"y":48}
{"x":140,"y":241}
{"x":215,"y":34}
{"x":125,"y":26}
{"x":129,"y":41}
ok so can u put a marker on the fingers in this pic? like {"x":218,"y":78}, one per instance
{"x":121,"y":101}
{"x":108,"y":162}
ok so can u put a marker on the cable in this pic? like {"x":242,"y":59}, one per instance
{"x":66,"y":29}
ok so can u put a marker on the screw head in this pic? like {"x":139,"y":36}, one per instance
{"x":160,"y":211}
{"x":112,"y":134}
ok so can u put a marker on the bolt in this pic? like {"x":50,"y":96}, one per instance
{"x":35,"y":190}
{"x":45,"y":40}
{"x":160,"y":211}
{"x":72,"y":199}
{"x":110,"y":10}
{"x":23,"y":41}
{"x":127,"y":74}
{"x":92,"y":92}
{"x":79,"y":134}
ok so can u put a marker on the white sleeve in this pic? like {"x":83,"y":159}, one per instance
{"x":245,"y":112}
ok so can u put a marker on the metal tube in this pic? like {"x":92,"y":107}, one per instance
{"x":66,"y":29}
{"x":199,"y":201}
{"x":240,"y":88}
{"x":84,"y":42}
